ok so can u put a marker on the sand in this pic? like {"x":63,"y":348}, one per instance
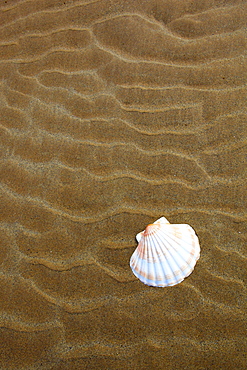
{"x":114,"y":113}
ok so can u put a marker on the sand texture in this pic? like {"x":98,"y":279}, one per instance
{"x":114,"y":113}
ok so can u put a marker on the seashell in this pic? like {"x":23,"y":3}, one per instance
{"x":166,"y":253}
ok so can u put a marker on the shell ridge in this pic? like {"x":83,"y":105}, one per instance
{"x":134,"y":266}
{"x":193,"y":242}
{"x":151,"y":266}
{"x":182,"y":266}
{"x":178,"y":239}
{"x":168,"y":261}
{"x":134,"y":260}
{"x":166,"y":253}
{"x":142,"y":256}
{"x":145,"y":258}
{"x":192,"y":236}
{"x":180,"y":252}
{"x":160,"y":252}
{"x":166,"y":267}
{"x":183,"y":261}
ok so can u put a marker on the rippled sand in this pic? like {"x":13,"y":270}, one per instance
{"x":114,"y":113}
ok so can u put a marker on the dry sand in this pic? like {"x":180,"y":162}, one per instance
{"x":114,"y":113}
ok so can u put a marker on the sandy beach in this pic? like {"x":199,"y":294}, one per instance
{"x":114,"y":113}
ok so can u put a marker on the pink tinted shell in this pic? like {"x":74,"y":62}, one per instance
{"x":166,"y":253}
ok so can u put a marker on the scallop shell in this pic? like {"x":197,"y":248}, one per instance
{"x":166,"y":253}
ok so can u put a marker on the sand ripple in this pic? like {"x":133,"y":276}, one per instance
{"x":112,"y":114}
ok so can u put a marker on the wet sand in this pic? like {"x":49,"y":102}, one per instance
{"x":114,"y":113}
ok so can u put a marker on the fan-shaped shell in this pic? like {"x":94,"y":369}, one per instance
{"x":166,"y":253}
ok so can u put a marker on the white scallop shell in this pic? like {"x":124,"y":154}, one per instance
{"x":166,"y":253}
